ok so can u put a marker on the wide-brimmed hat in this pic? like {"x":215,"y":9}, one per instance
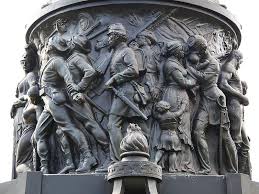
{"x":82,"y":42}
{"x":59,"y":44}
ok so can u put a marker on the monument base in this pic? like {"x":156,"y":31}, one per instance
{"x":36,"y":183}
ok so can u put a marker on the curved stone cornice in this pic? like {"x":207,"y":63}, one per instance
{"x":203,"y":6}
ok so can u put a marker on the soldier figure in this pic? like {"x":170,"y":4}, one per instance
{"x":212,"y":109}
{"x":124,"y":71}
{"x":55,"y":82}
{"x":149,"y":62}
{"x":231,"y":84}
{"x":83,"y":74}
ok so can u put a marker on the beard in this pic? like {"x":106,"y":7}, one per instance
{"x":114,"y":40}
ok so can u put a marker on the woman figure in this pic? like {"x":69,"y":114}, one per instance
{"x":30,"y":79}
{"x":31,"y":113}
{"x":175,"y":94}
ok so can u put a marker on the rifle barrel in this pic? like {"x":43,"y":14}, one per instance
{"x":129,"y":103}
{"x":97,"y":33}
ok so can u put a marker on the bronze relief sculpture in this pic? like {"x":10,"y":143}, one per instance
{"x":173,"y":75}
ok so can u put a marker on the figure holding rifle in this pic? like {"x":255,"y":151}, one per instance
{"x":124,"y":71}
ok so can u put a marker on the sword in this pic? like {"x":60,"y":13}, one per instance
{"x":129,"y":103}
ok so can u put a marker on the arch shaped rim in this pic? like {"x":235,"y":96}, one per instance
{"x":203,"y":6}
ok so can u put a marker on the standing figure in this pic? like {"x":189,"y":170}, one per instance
{"x":124,"y":71}
{"x":31,"y":113}
{"x":83,"y":74}
{"x":244,"y":164}
{"x":30,"y":79}
{"x":232,"y":86}
{"x":169,"y":142}
{"x":212,"y":108}
{"x":55,"y":82}
{"x":60,"y":36}
{"x":149,"y":63}
{"x":177,"y":83}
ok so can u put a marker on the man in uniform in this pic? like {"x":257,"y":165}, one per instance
{"x":212,"y":109}
{"x":232,"y":86}
{"x":124,"y":71}
{"x":55,"y":82}
{"x":83,"y":74}
{"x":150,"y":62}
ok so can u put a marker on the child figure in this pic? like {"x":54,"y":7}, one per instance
{"x":169,"y":142}
{"x":31,"y":113}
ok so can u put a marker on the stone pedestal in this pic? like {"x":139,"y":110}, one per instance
{"x":36,"y":183}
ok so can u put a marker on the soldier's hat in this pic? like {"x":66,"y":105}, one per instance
{"x":117,"y":28}
{"x":197,"y":42}
{"x":59,"y":44}
{"x":163,"y":104}
{"x":174,"y":46}
{"x":150,"y":35}
{"x":82,"y":42}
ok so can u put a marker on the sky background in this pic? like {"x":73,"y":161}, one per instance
{"x":14,"y":15}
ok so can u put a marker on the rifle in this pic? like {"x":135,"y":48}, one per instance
{"x":76,"y":111}
{"x":97,"y":33}
{"x":129,"y":103}
{"x":152,"y":21}
{"x":158,"y":19}
{"x":90,"y":101}
{"x":95,"y":25}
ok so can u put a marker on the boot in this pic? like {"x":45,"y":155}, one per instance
{"x":87,"y":162}
{"x":69,"y":167}
{"x":107,"y":162}
{"x":44,"y":167}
